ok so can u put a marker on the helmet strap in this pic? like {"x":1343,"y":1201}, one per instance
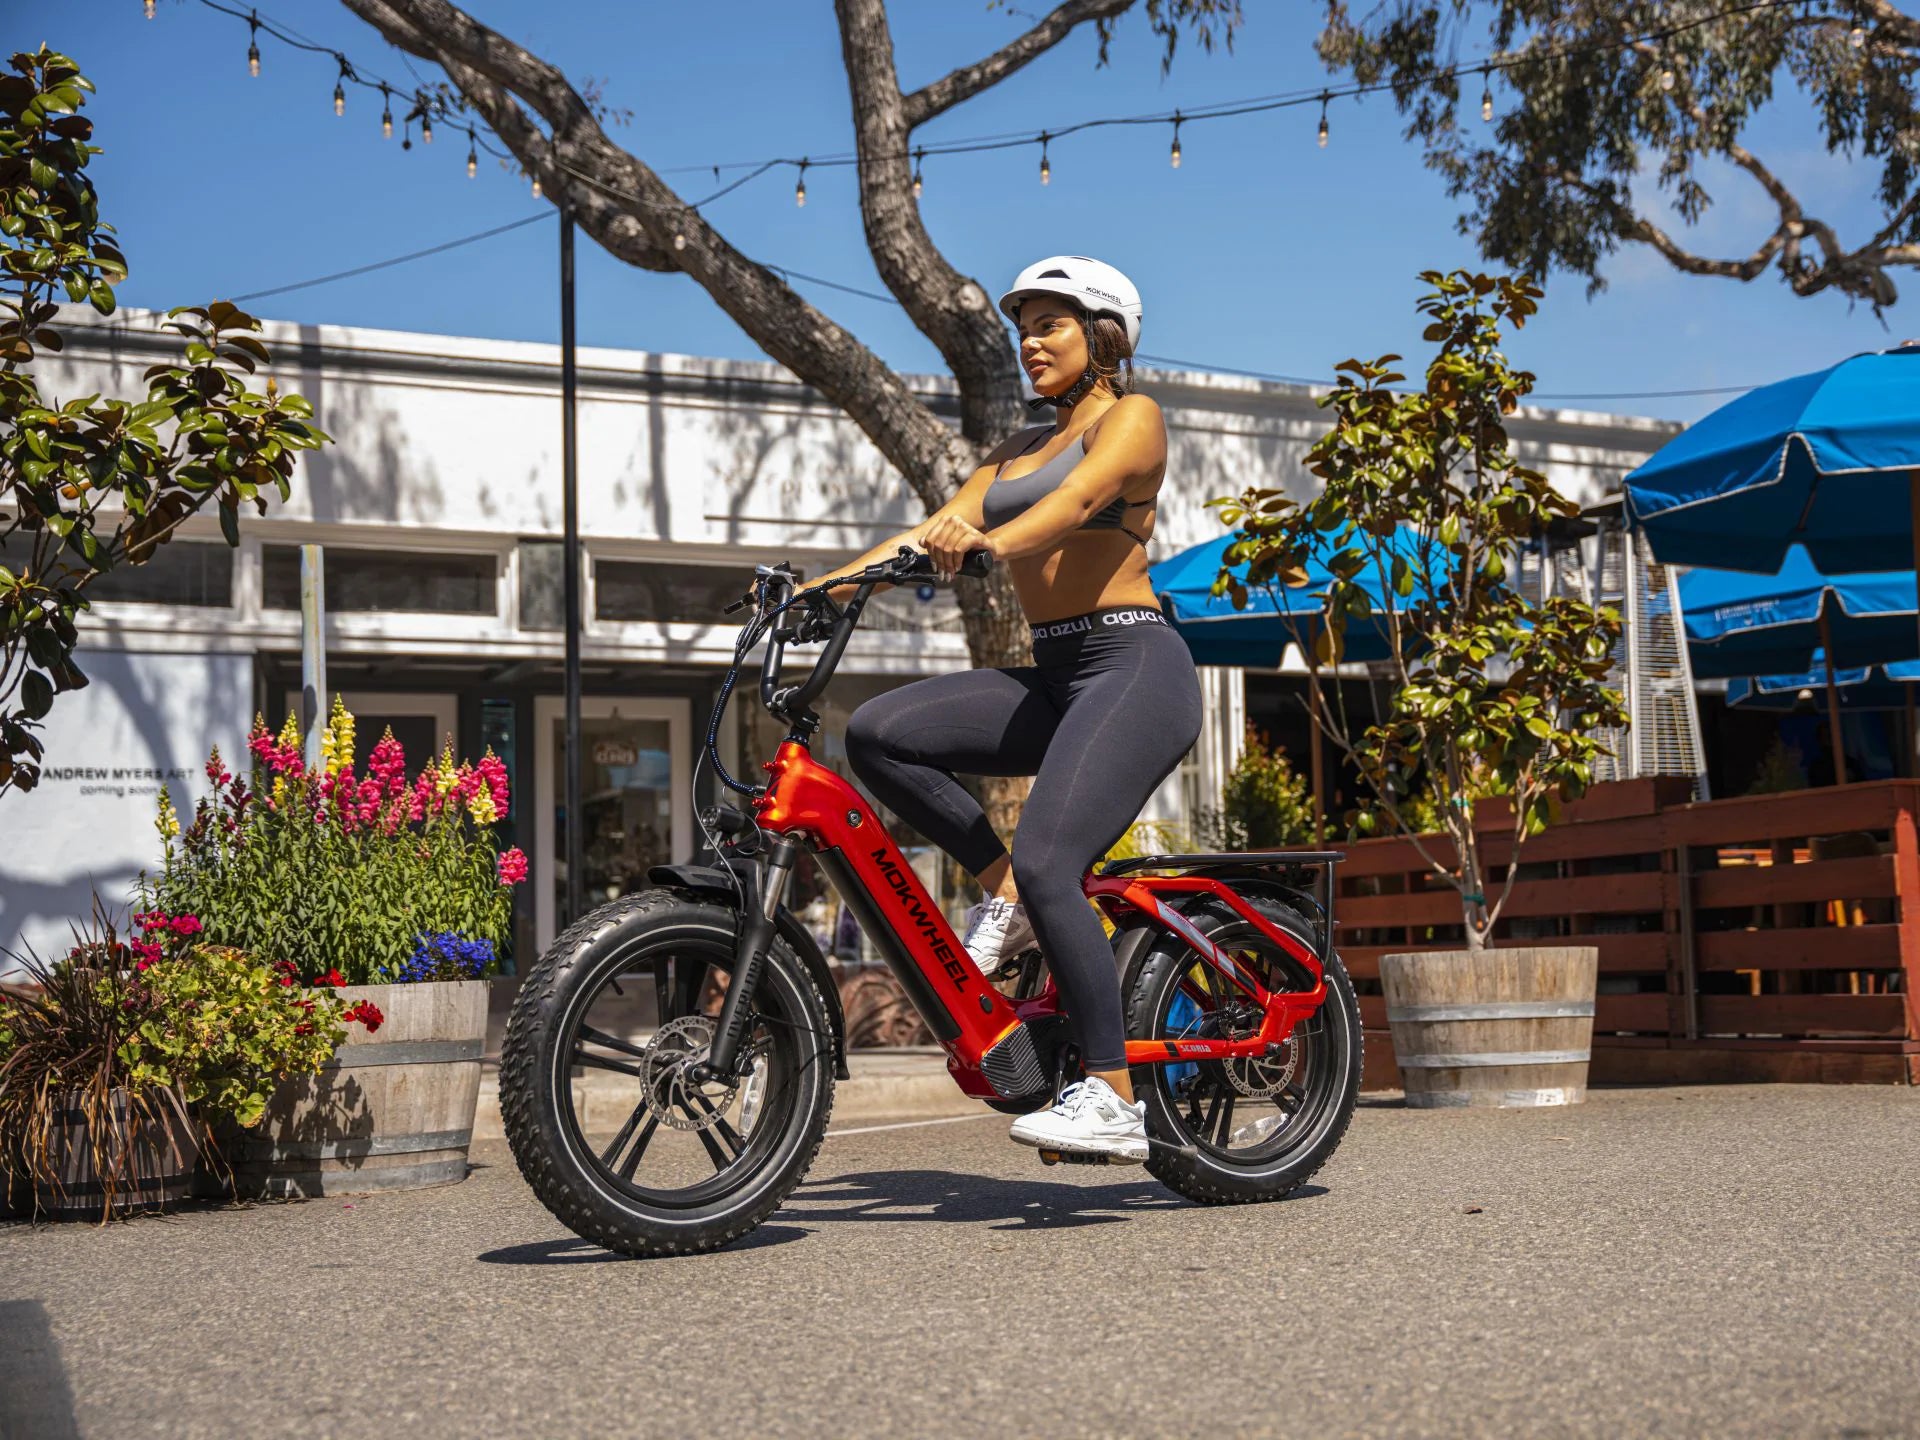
{"x":1066,"y":399}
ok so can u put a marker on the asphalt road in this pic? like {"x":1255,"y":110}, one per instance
{"x":1739,"y":1261}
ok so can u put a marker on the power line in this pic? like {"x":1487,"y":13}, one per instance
{"x":790,"y":275}
{"x":396,"y":260}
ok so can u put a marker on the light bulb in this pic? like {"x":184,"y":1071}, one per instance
{"x":150,"y":9}
{"x":339,"y":100}
{"x":536,"y":187}
{"x":1173,"y":156}
{"x":1666,"y":78}
{"x":426,"y":129}
{"x":679,"y":242}
{"x":1857,"y":37}
{"x":253,"y":60}
{"x":1486,"y":104}
{"x":919,"y":183}
{"x":473,"y":164}
{"x":1322,"y":138}
{"x":800,"y":194}
{"x":386,"y":124}
{"x":1046,"y":171}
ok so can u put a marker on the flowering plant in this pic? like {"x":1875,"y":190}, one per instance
{"x":447,"y":957}
{"x":335,"y":873}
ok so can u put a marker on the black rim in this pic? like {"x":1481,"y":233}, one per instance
{"x":649,"y":1158}
{"x":1202,"y":1099}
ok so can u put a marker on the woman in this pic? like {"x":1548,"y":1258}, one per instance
{"x":1105,"y":712}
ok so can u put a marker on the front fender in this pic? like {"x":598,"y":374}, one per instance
{"x":716,"y":883}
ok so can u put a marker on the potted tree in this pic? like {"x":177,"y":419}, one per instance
{"x":1416,"y":534}
{"x":389,"y":892}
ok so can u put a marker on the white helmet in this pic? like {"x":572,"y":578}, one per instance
{"x":1095,"y":287}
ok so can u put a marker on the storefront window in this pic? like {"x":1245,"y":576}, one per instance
{"x":658,"y":590}
{"x":181,"y":572}
{"x":626,"y":805}
{"x":369,"y":580}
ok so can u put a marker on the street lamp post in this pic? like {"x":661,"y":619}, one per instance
{"x":570,"y":565}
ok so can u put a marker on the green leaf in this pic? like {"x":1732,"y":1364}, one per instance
{"x":36,"y":695}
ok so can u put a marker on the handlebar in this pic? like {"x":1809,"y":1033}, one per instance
{"x":822,"y":619}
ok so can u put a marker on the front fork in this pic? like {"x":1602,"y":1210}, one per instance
{"x":750,"y":957}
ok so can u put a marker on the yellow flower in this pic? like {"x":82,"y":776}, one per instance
{"x":336,"y":740}
{"x":480,"y":806}
{"x":168,"y":820}
{"x":290,"y":732}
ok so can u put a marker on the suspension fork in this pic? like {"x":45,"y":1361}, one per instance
{"x":750,"y":957}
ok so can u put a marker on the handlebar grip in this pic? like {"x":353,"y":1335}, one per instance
{"x":918,"y":565}
{"x":978,"y":564}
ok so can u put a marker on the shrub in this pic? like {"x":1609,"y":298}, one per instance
{"x":1265,"y":805}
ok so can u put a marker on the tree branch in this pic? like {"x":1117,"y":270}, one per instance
{"x":969,"y":80}
{"x":628,"y":208}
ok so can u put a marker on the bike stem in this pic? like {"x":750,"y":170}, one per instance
{"x":750,"y":956}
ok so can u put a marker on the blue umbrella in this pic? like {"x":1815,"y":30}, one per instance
{"x":1258,"y":636}
{"x":1740,"y":624}
{"x":1829,"y":460}
{"x":1886,"y":687}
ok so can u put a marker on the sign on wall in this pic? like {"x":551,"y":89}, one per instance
{"x":143,"y":721}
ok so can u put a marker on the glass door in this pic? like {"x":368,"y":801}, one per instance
{"x":635,"y":809}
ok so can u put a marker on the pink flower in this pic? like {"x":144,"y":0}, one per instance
{"x":513,"y":866}
{"x":492,"y":771}
{"x":388,"y":765}
{"x":184,"y":925}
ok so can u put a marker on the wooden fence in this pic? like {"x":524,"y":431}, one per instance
{"x":1772,"y":937}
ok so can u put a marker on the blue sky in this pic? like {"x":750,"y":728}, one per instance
{"x":1262,"y":252}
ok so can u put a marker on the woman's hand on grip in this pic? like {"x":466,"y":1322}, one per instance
{"x":949,"y":540}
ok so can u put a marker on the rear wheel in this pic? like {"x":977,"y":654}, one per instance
{"x":599,"y":1092}
{"x":1251,"y":1129}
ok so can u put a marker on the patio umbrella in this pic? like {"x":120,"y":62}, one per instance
{"x":1829,"y":460}
{"x":1258,"y":636}
{"x":1740,"y":624}
{"x":1879,"y":687}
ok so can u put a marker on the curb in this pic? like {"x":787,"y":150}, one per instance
{"x":604,"y":1105}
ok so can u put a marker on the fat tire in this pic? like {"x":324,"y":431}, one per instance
{"x":530,"y":1105}
{"x":1200,"y":1176}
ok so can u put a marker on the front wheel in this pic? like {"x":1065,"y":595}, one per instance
{"x":1242,"y":1130}
{"x":604,"y":1042}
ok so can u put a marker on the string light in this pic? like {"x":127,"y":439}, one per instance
{"x":918,"y":183}
{"x":253,"y":45}
{"x":800,"y":190}
{"x":1486,"y":96}
{"x":679,"y":242}
{"x":536,"y":187}
{"x":1666,"y":75}
{"x":426,"y":129}
{"x":1173,"y":156}
{"x":1046,"y":169}
{"x":150,"y":9}
{"x":386,"y":112}
{"x":473,"y":154}
{"x":1324,"y":97}
{"x":340,"y":86}
{"x":1857,"y":37}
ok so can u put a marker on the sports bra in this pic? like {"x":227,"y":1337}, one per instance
{"x":1007,"y":498}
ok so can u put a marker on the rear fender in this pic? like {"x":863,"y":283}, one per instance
{"x":715,"y":883}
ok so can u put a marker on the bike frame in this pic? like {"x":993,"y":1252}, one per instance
{"x":809,"y":803}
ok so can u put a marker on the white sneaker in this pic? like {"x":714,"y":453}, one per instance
{"x":1088,"y":1119}
{"x":1000,"y":931}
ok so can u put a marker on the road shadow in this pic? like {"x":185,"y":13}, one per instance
{"x":572,"y":1250}
{"x":36,"y":1398}
{"x":948,"y":1198}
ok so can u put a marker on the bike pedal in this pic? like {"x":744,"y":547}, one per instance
{"x":1072,"y":1157}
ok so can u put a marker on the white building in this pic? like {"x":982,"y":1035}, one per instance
{"x":439,"y":505}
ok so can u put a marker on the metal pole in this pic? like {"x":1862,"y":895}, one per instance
{"x":313,"y":649}
{"x":1833,"y":701}
{"x":570,"y":566}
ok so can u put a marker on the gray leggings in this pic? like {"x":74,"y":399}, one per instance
{"x":1103,"y":715}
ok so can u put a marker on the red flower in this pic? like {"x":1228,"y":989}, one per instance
{"x":366,"y":1013}
{"x":184,"y":925}
{"x":332,"y":977}
{"x":512,"y":866}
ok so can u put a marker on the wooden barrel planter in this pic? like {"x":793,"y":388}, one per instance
{"x":157,"y":1173}
{"x":392,"y":1110}
{"x":1505,"y":1028}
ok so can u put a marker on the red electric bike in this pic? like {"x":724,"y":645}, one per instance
{"x":1244,"y":1035}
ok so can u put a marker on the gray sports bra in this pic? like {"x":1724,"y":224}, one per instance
{"x":1007,"y":498}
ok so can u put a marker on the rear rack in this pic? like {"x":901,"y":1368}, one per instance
{"x":1305,"y":875}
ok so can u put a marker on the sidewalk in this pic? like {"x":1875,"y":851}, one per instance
{"x":895,"y":1084}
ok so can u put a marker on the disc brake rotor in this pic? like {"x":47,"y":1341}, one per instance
{"x":666,"y":1076}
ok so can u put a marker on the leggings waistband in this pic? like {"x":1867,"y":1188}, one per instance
{"x":1110,"y":621}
